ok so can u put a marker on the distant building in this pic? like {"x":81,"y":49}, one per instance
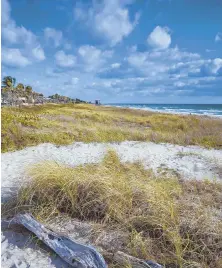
{"x":97,"y":102}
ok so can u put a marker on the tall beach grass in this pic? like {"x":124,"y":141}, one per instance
{"x":172,"y":221}
{"x":66,"y":123}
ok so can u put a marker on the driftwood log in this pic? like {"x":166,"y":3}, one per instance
{"x":75,"y":254}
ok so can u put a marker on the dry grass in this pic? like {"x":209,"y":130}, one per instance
{"x":64,"y":124}
{"x":168,"y":220}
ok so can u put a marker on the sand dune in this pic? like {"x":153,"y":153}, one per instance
{"x":188,"y":162}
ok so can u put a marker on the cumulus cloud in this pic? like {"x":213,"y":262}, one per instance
{"x":212,"y":67}
{"x":159,"y":38}
{"x":64,"y":60}
{"x":218,"y":37}
{"x":53,"y":35}
{"x":92,"y":57}
{"x":13,"y":34}
{"x":171,"y":60}
{"x":38,"y":53}
{"x":20,"y":39}
{"x":14,"y":58}
{"x":150,"y":73}
{"x":110,"y":20}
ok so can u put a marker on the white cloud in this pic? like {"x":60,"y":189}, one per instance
{"x":38,"y":53}
{"x":92,"y":57}
{"x":159,"y":38}
{"x":17,"y":35}
{"x":14,"y":58}
{"x":173,"y":54}
{"x":7,"y":10}
{"x":11,"y":33}
{"x":212,"y":67}
{"x":218,"y":37}
{"x":152,"y":73}
{"x":65,"y":60}
{"x":20,"y":38}
{"x":114,"y":23}
{"x":216,"y":65}
{"x":53,"y":35}
{"x":115,"y":65}
{"x":137,"y":59}
{"x":111,"y":20}
{"x":157,"y":62}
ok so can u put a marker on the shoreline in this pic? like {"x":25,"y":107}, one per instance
{"x":165,"y":112}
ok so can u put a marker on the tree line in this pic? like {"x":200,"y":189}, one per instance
{"x":17,"y":94}
{"x":61,"y":98}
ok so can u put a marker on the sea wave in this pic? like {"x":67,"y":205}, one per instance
{"x":173,"y":110}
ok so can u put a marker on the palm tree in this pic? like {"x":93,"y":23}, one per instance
{"x":8,"y":82}
{"x":20,"y":86}
{"x":28,"y":90}
{"x":8,"y":93}
{"x":20,"y":90}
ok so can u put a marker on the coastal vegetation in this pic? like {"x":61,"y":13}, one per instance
{"x":17,"y":95}
{"x":12,"y":94}
{"x":62,"y":124}
{"x":64,"y":99}
{"x":166,"y":219}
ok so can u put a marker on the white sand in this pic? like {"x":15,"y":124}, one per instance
{"x":196,"y":162}
{"x":193,"y":163}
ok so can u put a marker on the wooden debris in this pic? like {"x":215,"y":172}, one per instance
{"x":75,"y":254}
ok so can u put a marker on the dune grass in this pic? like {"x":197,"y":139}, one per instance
{"x":171,"y":221}
{"x":65,"y":123}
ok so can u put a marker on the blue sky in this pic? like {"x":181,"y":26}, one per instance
{"x":135,"y":51}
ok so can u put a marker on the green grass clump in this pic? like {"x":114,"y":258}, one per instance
{"x":67,"y":123}
{"x":172,"y":221}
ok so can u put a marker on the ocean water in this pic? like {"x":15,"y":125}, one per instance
{"x":199,"y":109}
